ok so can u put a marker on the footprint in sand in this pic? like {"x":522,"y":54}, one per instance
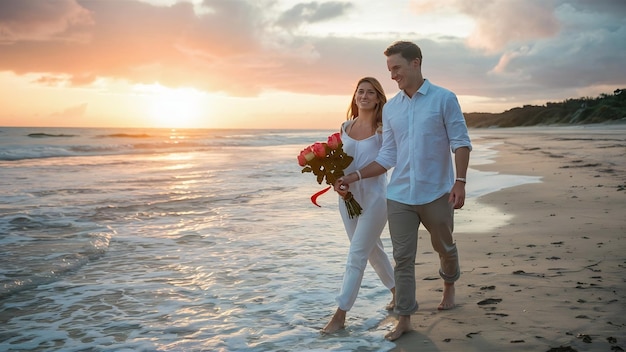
{"x":489,"y":301}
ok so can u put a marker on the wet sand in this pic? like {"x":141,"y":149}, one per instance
{"x":553,"y":278}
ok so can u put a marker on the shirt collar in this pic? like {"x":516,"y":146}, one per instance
{"x":423,"y":90}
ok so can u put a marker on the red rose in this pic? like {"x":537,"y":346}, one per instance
{"x":305,"y":156}
{"x":301,"y":160}
{"x":334,"y":141}
{"x":319,"y":149}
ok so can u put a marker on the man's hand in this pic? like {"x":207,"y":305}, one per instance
{"x":457,"y":195}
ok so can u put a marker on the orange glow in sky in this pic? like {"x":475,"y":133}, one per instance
{"x":174,"y":108}
{"x":289,"y":64}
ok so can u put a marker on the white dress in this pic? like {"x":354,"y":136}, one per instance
{"x":364,"y":231}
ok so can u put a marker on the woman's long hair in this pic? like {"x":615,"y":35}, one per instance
{"x":353,"y":109}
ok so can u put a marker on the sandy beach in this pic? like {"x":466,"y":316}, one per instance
{"x":551,"y":279}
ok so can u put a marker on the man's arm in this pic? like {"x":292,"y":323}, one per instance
{"x":371,"y":170}
{"x":461,"y":162}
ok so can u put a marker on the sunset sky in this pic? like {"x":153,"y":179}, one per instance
{"x":289,"y":63}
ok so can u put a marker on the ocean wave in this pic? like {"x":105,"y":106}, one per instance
{"x":33,"y":152}
{"x":44,"y":152}
{"x":57,"y":265}
{"x":44,"y":135}
{"x":22,"y":145}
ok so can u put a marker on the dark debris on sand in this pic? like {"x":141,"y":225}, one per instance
{"x":489,"y":301}
{"x":562,"y":349}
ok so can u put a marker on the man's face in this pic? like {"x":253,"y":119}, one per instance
{"x":402,"y":71}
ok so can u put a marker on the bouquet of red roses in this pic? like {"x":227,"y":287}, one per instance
{"x":327,"y":161}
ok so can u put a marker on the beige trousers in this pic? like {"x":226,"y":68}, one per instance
{"x":404,"y":221}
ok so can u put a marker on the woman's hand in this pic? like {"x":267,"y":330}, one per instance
{"x":341,"y":188}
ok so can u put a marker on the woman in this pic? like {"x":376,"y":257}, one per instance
{"x":361,"y":135}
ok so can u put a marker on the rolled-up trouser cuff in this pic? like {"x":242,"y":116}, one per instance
{"x":448,"y":278}
{"x":407,"y":312}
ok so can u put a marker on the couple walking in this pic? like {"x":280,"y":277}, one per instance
{"x":414,"y":133}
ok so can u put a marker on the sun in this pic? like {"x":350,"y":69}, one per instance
{"x":173,"y":107}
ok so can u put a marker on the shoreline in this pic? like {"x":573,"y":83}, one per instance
{"x":552,"y":275}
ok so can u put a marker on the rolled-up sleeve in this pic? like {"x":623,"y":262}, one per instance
{"x":455,"y":123}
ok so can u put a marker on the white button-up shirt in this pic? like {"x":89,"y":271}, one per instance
{"x":419,"y":134}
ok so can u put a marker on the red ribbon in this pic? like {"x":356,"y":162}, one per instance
{"x":314,"y":197}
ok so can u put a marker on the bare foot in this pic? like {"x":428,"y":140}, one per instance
{"x":403,"y":326}
{"x":336,"y":323}
{"x":447,"y":301}
{"x":391,"y":305}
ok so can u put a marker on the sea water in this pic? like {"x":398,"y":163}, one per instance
{"x":179,"y":240}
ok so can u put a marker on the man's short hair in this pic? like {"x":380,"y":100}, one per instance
{"x":410,"y":51}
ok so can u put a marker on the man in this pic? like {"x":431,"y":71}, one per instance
{"x":421,"y":125}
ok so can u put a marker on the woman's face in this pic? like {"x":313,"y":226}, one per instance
{"x":366,"y":96}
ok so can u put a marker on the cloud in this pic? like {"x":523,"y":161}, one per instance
{"x":613,"y":8}
{"x":139,"y":42}
{"x":502,"y":23}
{"x":41,"y":20}
{"x":311,"y":12}
{"x":231,"y":46}
{"x":497,"y":24}
{"x":519,"y":48}
{"x":588,"y":51}
{"x":532,"y":50}
{"x":72,"y":112}
{"x":503,"y":64}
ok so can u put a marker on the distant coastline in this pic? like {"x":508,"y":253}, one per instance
{"x":605,"y":108}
